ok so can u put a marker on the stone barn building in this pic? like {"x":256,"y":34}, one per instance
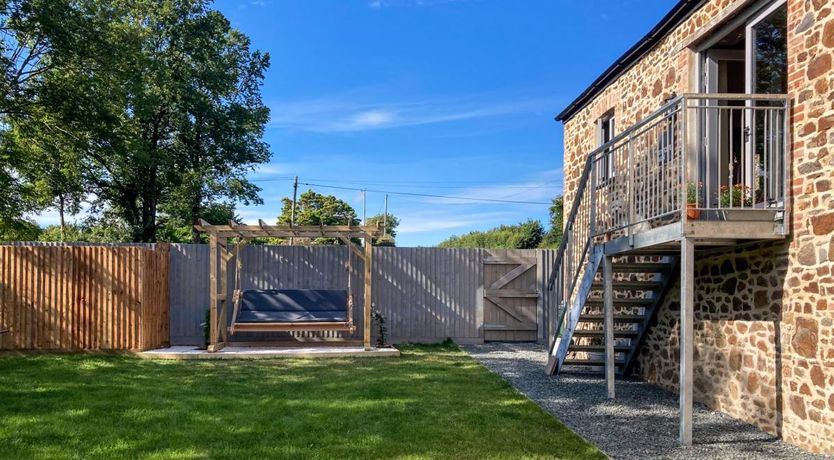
{"x":699,"y":244}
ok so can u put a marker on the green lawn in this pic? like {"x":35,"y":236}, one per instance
{"x":432,"y":402}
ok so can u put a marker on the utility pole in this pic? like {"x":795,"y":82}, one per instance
{"x":292,"y":210}
{"x":385,"y":217}
{"x":364,"y":208}
{"x":294,"y":196}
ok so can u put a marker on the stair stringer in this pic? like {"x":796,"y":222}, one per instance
{"x":562,"y":344}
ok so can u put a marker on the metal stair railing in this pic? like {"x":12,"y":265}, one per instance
{"x":601,"y":205}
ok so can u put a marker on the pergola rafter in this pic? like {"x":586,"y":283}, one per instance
{"x":221,"y":255}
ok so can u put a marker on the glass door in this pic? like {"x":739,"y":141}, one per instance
{"x":724,"y":73}
{"x":766,"y":73}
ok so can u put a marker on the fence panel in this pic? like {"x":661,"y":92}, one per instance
{"x":425,"y":294}
{"x":92,"y":297}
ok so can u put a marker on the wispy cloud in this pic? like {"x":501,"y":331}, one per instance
{"x":252,"y":215}
{"x":378,"y":4}
{"x":253,"y":3}
{"x":435,"y":220}
{"x":270,"y":169}
{"x":351,"y":113}
{"x":542,"y":187}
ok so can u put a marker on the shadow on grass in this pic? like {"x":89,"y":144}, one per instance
{"x":432,"y":402}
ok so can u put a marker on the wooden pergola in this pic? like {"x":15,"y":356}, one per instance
{"x":221,"y":254}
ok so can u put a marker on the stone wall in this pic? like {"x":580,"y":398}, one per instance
{"x":764,"y":333}
{"x":738,"y":313}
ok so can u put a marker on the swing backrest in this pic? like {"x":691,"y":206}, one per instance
{"x":290,"y":305}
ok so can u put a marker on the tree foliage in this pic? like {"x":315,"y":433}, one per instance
{"x":313,"y":208}
{"x":553,"y":237}
{"x":525,"y":235}
{"x":391,"y":223}
{"x":35,"y":37}
{"x":160,"y":110}
{"x":180,"y":229}
{"x":19,"y":230}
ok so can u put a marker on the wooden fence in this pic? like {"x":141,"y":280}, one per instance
{"x":135,"y":297}
{"x":425,"y":294}
{"x":83,"y":297}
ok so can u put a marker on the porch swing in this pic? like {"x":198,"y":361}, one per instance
{"x":269,"y":310}
{"x":284,"y":310}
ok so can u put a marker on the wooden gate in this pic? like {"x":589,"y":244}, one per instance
{"x":511,"y":296}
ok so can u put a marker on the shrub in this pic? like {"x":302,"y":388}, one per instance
{"x":381,"y":328}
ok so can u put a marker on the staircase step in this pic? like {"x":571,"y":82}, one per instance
{"x":641,"y":285}
{"x":590,"y":362}
{"x":600,"y":333}
{"x":582,"y":371}
{"x":635,"y":267}
{"x":617,"y":348}
{"x":599,"y":302}
{"x":594,"y":318}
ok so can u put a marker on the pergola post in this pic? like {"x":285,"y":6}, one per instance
{"x":686,"y":338}
{"x":608,"y":315}
{"x":212,"y":325}
{"x":218,"y":283}
{"x":223,"y":319}
{"x":367,"y":294}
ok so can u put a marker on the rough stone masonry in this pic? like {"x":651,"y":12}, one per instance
{"x":764,"y":338}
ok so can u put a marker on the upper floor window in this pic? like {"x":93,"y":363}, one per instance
{"x":605,"y":132}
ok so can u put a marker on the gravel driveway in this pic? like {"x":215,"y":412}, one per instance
{"x":642,"y":422}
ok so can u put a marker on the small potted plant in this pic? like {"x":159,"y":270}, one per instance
{"x":737,"y":204}
{"x":737,"y":196}
{"x":692,"y":192}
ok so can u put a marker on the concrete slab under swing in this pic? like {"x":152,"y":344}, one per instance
{"x":190,"y":352}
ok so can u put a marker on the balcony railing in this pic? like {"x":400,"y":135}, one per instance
{"x":710,"y":157}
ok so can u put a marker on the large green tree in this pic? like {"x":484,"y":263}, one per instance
{"x":162,"y":107}
{"x":219,"y":132}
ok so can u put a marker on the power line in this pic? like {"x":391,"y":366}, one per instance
{"x":422,"y":184}
{"x":427,"y":195}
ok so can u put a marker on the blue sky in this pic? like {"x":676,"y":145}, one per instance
{"x":443,"y":97}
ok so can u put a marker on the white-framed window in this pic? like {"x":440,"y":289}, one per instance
{"x":605,"y":132}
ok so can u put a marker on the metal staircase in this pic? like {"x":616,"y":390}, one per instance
{"x":639,"y":284}
{"x":630,"y":209}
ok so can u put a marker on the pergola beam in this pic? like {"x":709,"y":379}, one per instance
{"x":288,"y":231}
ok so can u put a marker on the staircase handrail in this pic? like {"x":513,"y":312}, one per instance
{"x":588,"y":175}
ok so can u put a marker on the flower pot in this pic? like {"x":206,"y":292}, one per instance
{"x":692,"y":212}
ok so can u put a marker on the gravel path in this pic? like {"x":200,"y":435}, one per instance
{"x":642,"y":422}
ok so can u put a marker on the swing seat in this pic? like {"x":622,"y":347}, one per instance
{"x":266,"y":310}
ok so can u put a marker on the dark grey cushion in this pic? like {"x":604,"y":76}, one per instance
{"x":292,"y":305}
{"x":291,"y":316}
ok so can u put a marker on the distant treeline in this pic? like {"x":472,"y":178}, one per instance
{"x":529,"y":234}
